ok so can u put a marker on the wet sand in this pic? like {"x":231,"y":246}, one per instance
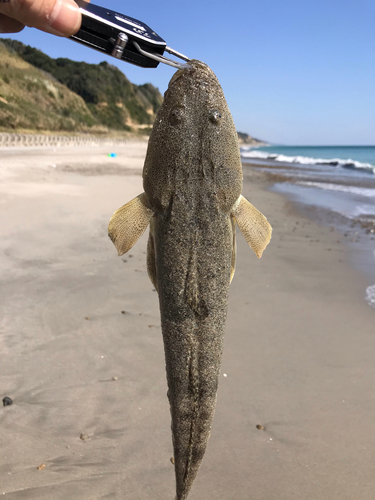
{"x":82,"y":355}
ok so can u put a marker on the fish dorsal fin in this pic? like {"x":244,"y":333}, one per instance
{"x":129,"y":222}
{"x":253,"y":225}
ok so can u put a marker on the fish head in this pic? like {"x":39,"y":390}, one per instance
{"x":193,"y":135}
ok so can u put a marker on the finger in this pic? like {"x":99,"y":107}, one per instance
{"x":9,"y":25}
{"x":54,"y":16}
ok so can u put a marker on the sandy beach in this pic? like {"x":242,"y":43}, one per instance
{"x":82,"y":354}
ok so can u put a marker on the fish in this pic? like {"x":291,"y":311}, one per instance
{"x":192,"y":180}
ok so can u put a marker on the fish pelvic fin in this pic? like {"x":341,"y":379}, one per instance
{"x":129,"y":222}
{"x":234,"y":248}
{"x":253,"y":225}
{"x":151,"y":256}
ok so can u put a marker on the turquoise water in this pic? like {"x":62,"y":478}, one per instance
{"x":360,"y":158}
{"x":338,"y":178}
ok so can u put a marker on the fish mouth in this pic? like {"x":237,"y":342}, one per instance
{"x":196,"y":69}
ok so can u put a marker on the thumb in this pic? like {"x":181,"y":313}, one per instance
{"x":60,"y":17}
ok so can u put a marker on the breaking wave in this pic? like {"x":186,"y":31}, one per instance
{"x":370,"y":295}
{"x":305,"y":160}
{"x":368,"y":192}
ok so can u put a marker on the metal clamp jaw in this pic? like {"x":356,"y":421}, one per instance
{"x":123,"y":37}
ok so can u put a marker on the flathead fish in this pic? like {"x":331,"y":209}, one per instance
{"x":192,"y":200}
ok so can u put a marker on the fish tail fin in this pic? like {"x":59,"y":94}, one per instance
{"x":192,"y":416}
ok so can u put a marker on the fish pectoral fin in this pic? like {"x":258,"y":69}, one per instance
{"x":129,"y":222}
{"x":253,"y":225}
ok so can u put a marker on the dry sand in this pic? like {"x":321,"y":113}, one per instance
{"x":82,"y":355}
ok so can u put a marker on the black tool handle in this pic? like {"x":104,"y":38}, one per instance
{"x":114,"y":33}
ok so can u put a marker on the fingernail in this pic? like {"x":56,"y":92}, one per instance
{"x":65,"y":17}
{"x":9,"y":25}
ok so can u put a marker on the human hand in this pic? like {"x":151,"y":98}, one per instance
{"x":59,"y":17}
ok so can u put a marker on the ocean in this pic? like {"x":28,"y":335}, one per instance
{"x":359,"y":158}
{"x":338,"y":180}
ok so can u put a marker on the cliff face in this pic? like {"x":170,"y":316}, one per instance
{"x":32,"y":99}
{"x":38,"y":92}
{"x":247,"y":140}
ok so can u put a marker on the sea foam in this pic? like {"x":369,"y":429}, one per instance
{"x":305,"y":160}
{"x":368,"y":192}
{"x":370,"y":295}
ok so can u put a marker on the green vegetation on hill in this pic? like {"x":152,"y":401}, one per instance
{"x":108,"y":99}
{"x":31,"y":99}
{"x":60,"y":95}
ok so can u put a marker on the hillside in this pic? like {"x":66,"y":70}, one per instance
{"x":247,"y":140}
{"x":31,"y":99}
{"x":39,"y":92}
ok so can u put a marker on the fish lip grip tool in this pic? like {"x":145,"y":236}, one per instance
{"x":123,"y":37}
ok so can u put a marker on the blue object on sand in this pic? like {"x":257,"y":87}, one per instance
{"x":112,"y":155}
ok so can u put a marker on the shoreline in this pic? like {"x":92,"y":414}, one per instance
{"x":357,"y":233}
{"x":83,"y":354}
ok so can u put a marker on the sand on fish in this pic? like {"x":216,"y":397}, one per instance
{"x":82,"y":355}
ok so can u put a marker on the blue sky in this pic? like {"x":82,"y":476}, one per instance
{"x":293,"y":72}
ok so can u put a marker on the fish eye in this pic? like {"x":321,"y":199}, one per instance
{"x":215,"y":116}
{"x":176,"y":115}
